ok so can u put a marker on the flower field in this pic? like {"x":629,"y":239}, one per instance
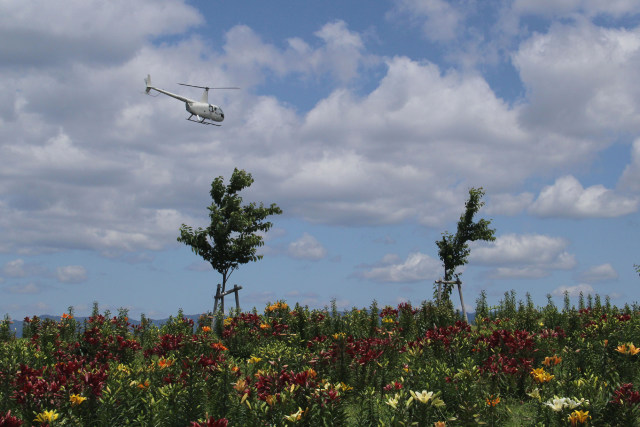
{"x":517,"y":365}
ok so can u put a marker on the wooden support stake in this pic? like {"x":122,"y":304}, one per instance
{"x":464,"y":311}
{"x":441,"y":282}
{"x":220,"y":297}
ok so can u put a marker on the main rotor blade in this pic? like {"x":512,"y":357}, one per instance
{"x":207,"y":88}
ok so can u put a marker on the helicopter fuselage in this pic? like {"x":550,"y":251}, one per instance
{"x":208,"y":111}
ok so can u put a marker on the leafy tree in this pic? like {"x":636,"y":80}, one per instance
{"x":232,"y":237}
{"x":637,"y":267}
{"x":453,"y":249}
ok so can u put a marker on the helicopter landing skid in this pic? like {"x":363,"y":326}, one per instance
{"x":202,"y":122}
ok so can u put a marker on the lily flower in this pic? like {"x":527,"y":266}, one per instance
{"x":493,"y":401}
{"x":295,"y":416}
{"x":633,"y":350}
{"x":76,"y":399}
{"x":556,"y":404}
{"x":535,"y":393}
{"x":46,"y":416}
{"x":393,"y":401}
{"x":553,"y":360}
{"x":579,"y":417}
{"x":423,"y":397}
{"x":541,"y":376}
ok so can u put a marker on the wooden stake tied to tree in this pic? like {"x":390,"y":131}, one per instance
{"x":232,"y":238}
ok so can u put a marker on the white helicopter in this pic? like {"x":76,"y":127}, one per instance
{"x":201,"y":109}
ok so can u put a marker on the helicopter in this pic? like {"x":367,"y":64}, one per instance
{"x":201,"y":109}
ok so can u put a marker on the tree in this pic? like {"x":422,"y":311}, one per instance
{"x":453,"y":249}
{"x":232,"y":237}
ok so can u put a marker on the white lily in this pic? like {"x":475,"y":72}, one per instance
{"x":423,"y":397}
{"x":393,"y":401}
{"x":557,"y":403}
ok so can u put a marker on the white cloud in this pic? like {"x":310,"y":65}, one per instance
{"x":440,"y":20}
{"x":589,"y":8}
{"x":311,"y":299}
{"x":599,"y":273}
{"x":523,"y":256}
{"x":26,"y":289}
{"x":71,"y":274}
{"x":574,"y":291}
{"x":507,"y":204}
{"x":341,"y":54}
{"x":579,"y":79}
{"x":417,"y":267}
{"x":14,"y":268}
{"x":307,"y":247}
{"x":41,"y":32}
{"x":528,"y":272}
{"x":124,"y":174}
{"x":259,"y":299}
{"x":567,"y":198}
{"x":630,"y":178}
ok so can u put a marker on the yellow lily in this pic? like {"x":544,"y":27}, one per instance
{"x":46,"y":416}
{"x":579,"y":417}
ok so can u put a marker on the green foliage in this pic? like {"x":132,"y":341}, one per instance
{"x":392,"y":366}
{"x":232,"y":237}
{"x":454,"y":249}
{"x":5,"y":329}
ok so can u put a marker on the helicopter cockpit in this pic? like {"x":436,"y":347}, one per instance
{"x":216,"y":110}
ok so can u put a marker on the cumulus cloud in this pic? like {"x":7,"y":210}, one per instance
{"x":24,"y":289}
{"x":573,"y":291}
{"x":307,"y":247}
{"x":599,"y":273}
{"x":508,"y":204}
{"x":14,"y":268}
{"x":439,"y":20}
{"x":523,"y":256}
{"x":21,"y":268}
{"x":71,"y":274}
{"x":391,"y":269}
{"x":42,"y":33}
{"x":579,"y":80}
{"x":630,"y":178}
{"x":311,"y":299}
{"x":259,"y":298}
{"x":341,"y":54}
{"x":589,"y":8}
{"x":567,"y":198}
{"x":127,"y":181}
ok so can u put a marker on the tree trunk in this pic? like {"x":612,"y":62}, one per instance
{"x":224,"y":286}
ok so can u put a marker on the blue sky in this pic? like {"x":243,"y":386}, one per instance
{"x":366,"y":122}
